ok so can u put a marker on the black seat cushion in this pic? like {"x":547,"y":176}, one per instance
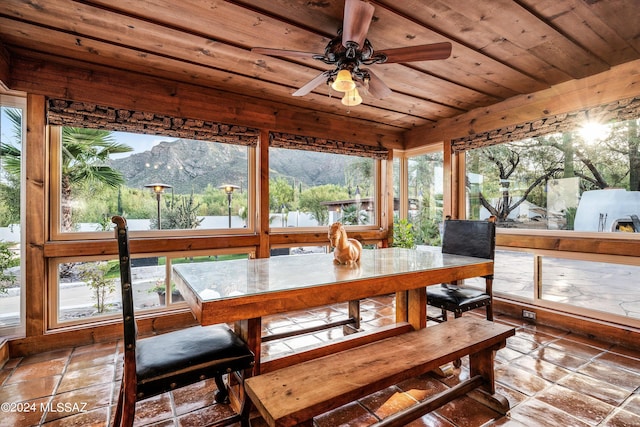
{"x":449,"y":296}
{"x":194,"y":353}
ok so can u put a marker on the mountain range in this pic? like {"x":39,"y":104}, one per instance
{"x":191,"y":165}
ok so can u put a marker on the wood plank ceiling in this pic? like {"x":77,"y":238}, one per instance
{"x":501,"y":48}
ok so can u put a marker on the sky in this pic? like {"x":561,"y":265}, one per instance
{"x":138,"y":142}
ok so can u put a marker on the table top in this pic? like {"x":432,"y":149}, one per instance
{"x":219,"y":280}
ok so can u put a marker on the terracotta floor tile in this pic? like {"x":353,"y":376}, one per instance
{"x":519,"y":379}
{"x":580,"y":406}
{"x":622,"y":418}
{"x":431,"y":420}
{"x":422,"y":387}
{"x":602,"y":345}
{"x":100,"y":357}
{"x":626,"y":351}
{"x":612,"y":375}
{"x":386,"y":401}
{"x":93,"y":348}
{"x":12,"y":363}
{"x":577,"y":349}
{"x":620,"y":361}
{"x":507,"y":354}
{"x":514,"y":397}
{"x":28,"y":415}
{"x":542,"y":369}
{"x":78,"y":401}
{"x":548,"y":330}
{"x":465,"y":411}
{"x":550,"y":378}
{"x":4,"y":374}
{"x":154,"y":410}
{"x":536,"y":413}
{"x":45,"y":357}
{"x":352,"y":415}
{"x":560,"y":358}
{"x":28,"y":390}
{"x":539,"y":338}
{"x":601,"y":390}
{"x":81,"y":378}
{"x":95,"y":418}
{"x":195,"y":396}
{"x":37,"y":370}
{"x":633,"y":404}
{"x":205,"y":416}
{"x":521,"y":345}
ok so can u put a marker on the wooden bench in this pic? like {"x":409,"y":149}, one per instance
{"x":295,"y":394}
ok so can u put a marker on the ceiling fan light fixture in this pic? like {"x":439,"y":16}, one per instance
{"x":343,"y":82}
{"x":352,"y":98}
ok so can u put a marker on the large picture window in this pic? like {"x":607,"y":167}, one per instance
{"x":157,"y":183}
{"x":12,"y":159}
{"x":583,"y":180}
{"x":311,"y":189}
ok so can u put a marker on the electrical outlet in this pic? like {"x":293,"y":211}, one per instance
{"x":526,"y":314}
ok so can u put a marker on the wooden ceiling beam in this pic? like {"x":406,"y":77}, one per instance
{"x":73,"y":80}
{"x":621,"y":82}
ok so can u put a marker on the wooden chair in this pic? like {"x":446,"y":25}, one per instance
{"x":165,"y":362}
{"x":468,"y":238}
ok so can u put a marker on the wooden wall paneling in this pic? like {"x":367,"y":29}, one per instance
{"x":263,"y":223}
{"x":567,"y":242}
{"x":148,"y":245}
{"x":35,"y":156}
{"x":620,"y":82}
{"x":579,"y":325}
{"x":5,"y":67}
{"x":105,"y":332}
{"x":100,"y":85}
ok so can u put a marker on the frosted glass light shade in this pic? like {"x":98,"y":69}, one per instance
{"x":352,"y":98}
{"x":343,"y":82}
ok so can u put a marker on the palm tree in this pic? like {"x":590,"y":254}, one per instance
{"x":85,"y":157}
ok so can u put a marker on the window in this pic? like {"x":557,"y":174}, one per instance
{"x":583,"y":180}
{"x":88,"y":289}
{"x":157,"y":183}
{"x":12,"y":134}
{"x":425,"y":190}
{"x":311,"y":189}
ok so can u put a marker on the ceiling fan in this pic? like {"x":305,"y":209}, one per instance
{"x":351,"y":49}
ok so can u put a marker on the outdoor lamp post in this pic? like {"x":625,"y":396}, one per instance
{"x":229,"y":189}
{"x":158,"y":188}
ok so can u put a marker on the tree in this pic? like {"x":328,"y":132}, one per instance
{"x":10,"y":182}
{"x":312,"y":198}
{"x":85,"y":157}
{"x":530,"y":170}
{"x":181,"y":214}
{"x":95,"y":276}
{"x":281,"y":193}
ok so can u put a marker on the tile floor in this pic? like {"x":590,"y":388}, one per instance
{"x":550,"y":377}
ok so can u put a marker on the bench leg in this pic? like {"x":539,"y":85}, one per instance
{"x":354,"y":313}
{"x":482,"y":363}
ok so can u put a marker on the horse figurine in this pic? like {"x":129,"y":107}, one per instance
{"x":347,"y":251}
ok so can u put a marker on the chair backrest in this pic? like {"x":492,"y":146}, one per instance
{"x":130,"y":328}
{"x":469,"y":238}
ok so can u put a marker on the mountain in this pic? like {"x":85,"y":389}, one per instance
{"x":190,"y":165}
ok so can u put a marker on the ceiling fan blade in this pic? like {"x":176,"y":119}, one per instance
{"x":283,"y":52}
{"x":357,"y":18}
{"x":317,"y":81}
{"x":377,"y":88}
{"x":425,"y":52}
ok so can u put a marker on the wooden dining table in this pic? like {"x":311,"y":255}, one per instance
{"x":244,"y":291}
